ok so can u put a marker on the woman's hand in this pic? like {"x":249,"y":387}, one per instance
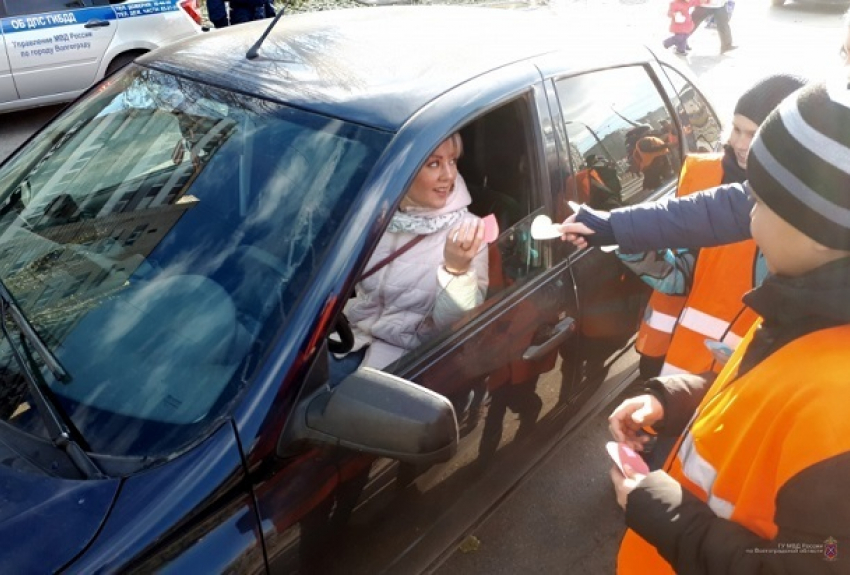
{"x":624,"y":484}
{"x":462,"y":243}
{"x":627,"y":419}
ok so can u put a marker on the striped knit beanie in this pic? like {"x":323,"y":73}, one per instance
{"x":799,"y":162}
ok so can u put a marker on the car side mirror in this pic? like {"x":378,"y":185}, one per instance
{"x":380,"y":414}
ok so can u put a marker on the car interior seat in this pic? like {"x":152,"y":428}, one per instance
{"x":493,"y":168}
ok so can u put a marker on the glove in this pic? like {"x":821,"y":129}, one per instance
{"x":600,"y":223}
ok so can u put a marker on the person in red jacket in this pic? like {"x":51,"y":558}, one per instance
{"x":681,"y":24}
{"x":757,"y":483}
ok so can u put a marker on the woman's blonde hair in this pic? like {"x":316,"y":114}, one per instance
{"x":457,"y":142}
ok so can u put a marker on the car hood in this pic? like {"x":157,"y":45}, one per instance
{"x":46,"y":521}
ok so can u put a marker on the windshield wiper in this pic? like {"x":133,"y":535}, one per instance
{"x":60,"y":431}
{"x":8,"y":304}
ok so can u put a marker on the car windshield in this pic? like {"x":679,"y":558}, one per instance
{"x":156,"y":237}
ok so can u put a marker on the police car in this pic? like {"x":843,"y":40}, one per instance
{"x":52,"y":50}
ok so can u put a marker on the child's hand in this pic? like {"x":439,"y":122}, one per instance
{"x":679,"y":18}
{"x":624,"y":484}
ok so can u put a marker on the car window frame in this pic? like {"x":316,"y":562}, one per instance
{"x":664,"y":70}
{"x":414,"y":362}
{"x":653,"y":76}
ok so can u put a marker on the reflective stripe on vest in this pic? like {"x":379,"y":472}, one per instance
{"x":709,"y":326}
{"x":699,"y":172}
{"x":660,"y":321}
{"x":701,"y":473}
{"x":715,"y":311}
{"x":689,"y":353}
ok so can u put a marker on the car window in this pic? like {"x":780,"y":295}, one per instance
{"x":623,"y":143}
{"x":23,"y":7}
{"x":496,"y":165}
{"x":700,"y":126}
{"x":496,"y":168}
{"x":157,"y":236}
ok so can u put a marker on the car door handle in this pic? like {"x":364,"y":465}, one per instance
{"x":563,"y":330}
{"x":96,"y":23}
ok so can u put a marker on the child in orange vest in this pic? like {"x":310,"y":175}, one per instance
{"x":758,"y":481}
{"x":681,"y":24}
{"x":672,"y":273}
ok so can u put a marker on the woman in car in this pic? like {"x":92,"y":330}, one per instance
{"x":430,"y":267}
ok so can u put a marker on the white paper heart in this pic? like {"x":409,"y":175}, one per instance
{"x":542,"y":228}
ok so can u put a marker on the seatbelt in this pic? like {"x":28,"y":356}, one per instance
{"x":393,"y":256}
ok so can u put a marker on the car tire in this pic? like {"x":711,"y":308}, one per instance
{"x":121,"y":60}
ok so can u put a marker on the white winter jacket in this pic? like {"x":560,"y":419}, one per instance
{"x":411,"y":298}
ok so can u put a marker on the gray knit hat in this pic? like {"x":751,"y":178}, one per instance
{"x":799,"y":163}
{"x":757,"y":102}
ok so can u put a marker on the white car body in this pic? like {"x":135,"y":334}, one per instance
{"x":48,"y":57}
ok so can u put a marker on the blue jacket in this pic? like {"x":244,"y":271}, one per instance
{"x":713,"y":217}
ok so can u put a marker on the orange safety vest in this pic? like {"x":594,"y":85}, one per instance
{"x":582,"y":180}
{"x":699,"y":172}
{"x":714,"y":309}
{"x":644,"y":159}
{"x":754,"y":433}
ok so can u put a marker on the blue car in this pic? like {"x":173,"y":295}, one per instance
{"x":178,"y":247}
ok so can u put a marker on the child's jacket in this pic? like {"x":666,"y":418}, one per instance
{"x":680,"y":16}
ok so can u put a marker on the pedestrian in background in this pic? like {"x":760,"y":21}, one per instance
{"x":681,"y":24}
{"x":234,"y":12}
{"x":716,"y":8}
{"x":730,"y":7}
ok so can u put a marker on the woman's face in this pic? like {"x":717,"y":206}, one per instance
{"x":741,"y":138}
{"x":436,"y":178}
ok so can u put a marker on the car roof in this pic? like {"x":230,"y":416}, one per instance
{"x":373,"y":65}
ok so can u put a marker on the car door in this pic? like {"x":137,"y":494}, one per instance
{"x":55,"y":46}
{"x":550,"y":346}
{"x":507,"y":367}
{"x":607,"y":115}
{"x":7,"y":85}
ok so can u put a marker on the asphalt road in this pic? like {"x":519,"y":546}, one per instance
{"x":16,"y":127}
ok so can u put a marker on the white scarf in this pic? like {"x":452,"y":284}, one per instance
{"x":423,"y":224}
